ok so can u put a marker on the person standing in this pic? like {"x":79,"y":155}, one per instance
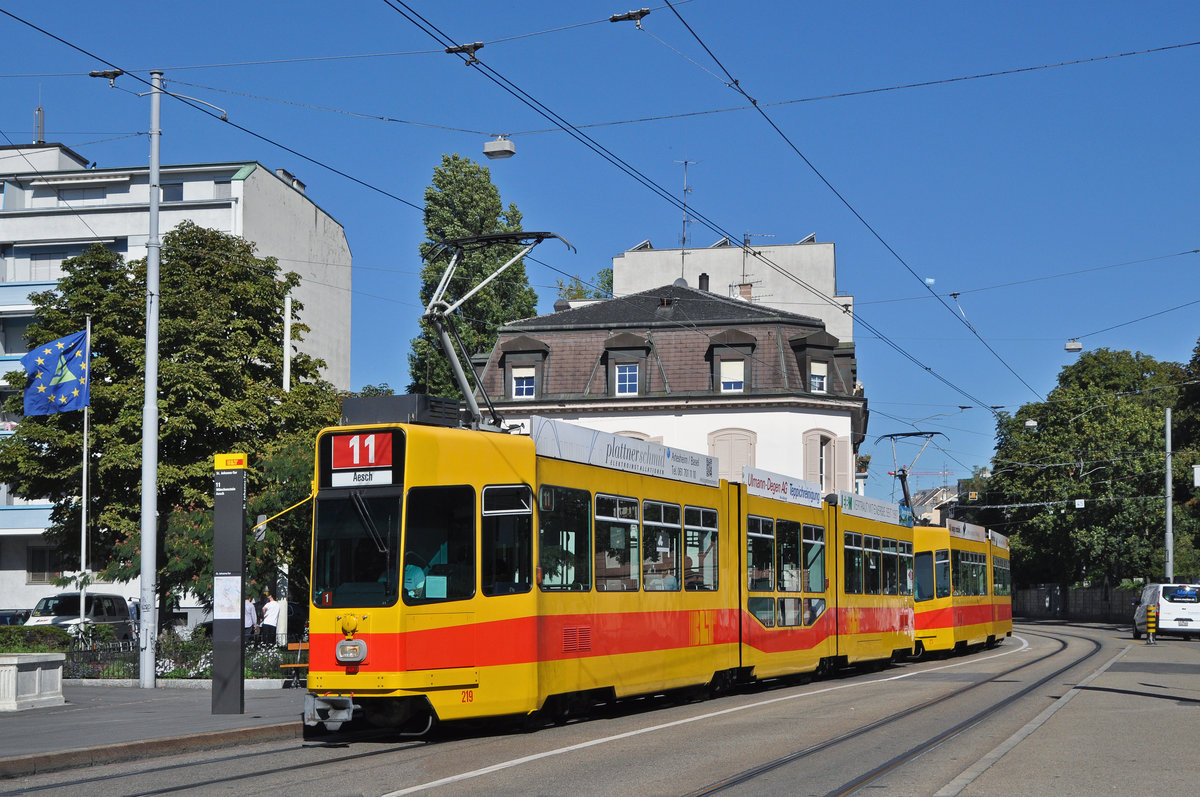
{"x":249,"y":619}
{"x":270,"y":617}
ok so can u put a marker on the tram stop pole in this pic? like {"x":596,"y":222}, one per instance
{"x":1151,"y":624}
{"x":229,"y":557}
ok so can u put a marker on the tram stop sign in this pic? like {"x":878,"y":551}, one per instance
{"x":229,"y":556}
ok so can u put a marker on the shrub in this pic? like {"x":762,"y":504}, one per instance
{"x":34,"y":639}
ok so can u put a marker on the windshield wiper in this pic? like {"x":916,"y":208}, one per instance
{"x":364,"y":515}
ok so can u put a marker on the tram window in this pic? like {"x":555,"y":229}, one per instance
{"x":814,"y":558}
{"x":439,"y":545}
{"x":1002,"y":585}
{"x":923,"y":575}
{"x":813,"y":609}
{"x":565,"y":540}
{"x":787,"y":555}
{"x":891,"y":579}
{"x":661,"y":524}
{"x":763,"y":610}
{"x":760,"y":553}
{"x":507,"y":537}
{"x":616,"y":543}
{"x":356,"y":561}
{"x":871,"y":565}
{"x":699,"y":548}
{"x":854,"y":563}
{"x":906,"y":568}
{"x":975,"y":565}
{"x":789,"y":612}
{"x":941,"y":572}
{"x":970,"y":574}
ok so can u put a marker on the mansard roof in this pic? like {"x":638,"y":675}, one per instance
{"x":670,"y":305}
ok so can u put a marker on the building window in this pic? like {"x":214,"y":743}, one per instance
{"x":733,"y":376}
{"x":523,"y":382}
{"x":45,"y":565}
{"x":627,"y":379}
{"x":46,"y":266}
{"x":734,"y":449}
{"x":67,"y":196}
{"x":817,"y":374}
{"x":172,"y":192}
{"x":222,"y":189}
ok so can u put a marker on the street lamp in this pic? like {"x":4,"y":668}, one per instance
{"x":500,"y":148}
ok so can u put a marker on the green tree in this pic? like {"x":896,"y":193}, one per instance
{"x":1098,"y":438}
{"x":462,"y":201}
{"x":220,"y":373}
{"x":599,"y":288}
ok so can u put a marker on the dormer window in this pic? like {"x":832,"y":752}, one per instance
{"x":818,"y":373}
{"x":627,"y":379}
{"x":524,"y":382}
{"x":733,"y":376}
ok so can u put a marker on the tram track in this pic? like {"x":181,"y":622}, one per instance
{"x":850,"y":787}
{"x":118,"y":783}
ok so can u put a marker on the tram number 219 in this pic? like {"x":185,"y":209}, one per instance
{"x":468,"y":695}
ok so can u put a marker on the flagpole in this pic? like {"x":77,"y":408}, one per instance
{"x":83,"y":508}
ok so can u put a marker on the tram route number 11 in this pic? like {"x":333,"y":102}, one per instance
{"x":362,"y":450}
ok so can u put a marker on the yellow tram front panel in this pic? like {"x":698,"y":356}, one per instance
{"x":633,"y":581}
{"x":423,"y":569}
{"x":873,"y":578}
{"x":788,"y":615}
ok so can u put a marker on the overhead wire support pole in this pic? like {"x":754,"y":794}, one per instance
{"x":149,"y":526}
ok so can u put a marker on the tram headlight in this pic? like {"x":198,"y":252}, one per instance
{"x":351,"y":651}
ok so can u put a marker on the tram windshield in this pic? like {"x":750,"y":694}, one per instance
{"x":357,"y":550}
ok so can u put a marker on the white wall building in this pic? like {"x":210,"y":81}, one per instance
{"x":727,"y":269}
{"x":54,"y":207}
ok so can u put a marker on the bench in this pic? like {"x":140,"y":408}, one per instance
{"x":297,"y":667}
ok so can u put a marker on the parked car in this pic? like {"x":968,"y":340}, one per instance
{"x":1178,"y":609}
{"x":102,"y":609}
{"x":13,"y":616}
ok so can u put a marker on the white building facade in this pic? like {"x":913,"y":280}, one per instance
{"x":799,"y":278}
{"x":54,"y":207}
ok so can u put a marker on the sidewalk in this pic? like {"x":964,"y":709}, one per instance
{"x":104,"y":724}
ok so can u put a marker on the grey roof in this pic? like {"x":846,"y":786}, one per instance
{"x":670,"y":305}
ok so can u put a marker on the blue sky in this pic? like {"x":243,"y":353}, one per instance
{"x":1056,"y":202}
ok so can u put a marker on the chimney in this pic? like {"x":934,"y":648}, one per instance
{"x":744,"y":290}
{"x":703,"y":282}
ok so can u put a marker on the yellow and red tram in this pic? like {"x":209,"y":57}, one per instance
{"x":963,"y":593}
{"x":460,"y":574}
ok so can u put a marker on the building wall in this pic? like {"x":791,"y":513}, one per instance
{"x":111,"y":206}
{"x":727,"y":266}
{"x":778,"y":433}
{"x":285,"y":224}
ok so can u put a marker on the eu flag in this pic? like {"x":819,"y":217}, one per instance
{"x":59,"y":371}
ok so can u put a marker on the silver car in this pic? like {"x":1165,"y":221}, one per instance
{"x":62,"y":610}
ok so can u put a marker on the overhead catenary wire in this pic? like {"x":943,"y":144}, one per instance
{"x":533,"y":103}
{"x":734,"y":84}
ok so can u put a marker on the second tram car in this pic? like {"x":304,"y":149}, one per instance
{"x":963,"y":592}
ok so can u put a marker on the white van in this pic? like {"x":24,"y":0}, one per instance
{"x":1178,"y":609}
{"x":63,"y":611}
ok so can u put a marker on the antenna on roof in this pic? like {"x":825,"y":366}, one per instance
{"x":686,"y":219}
